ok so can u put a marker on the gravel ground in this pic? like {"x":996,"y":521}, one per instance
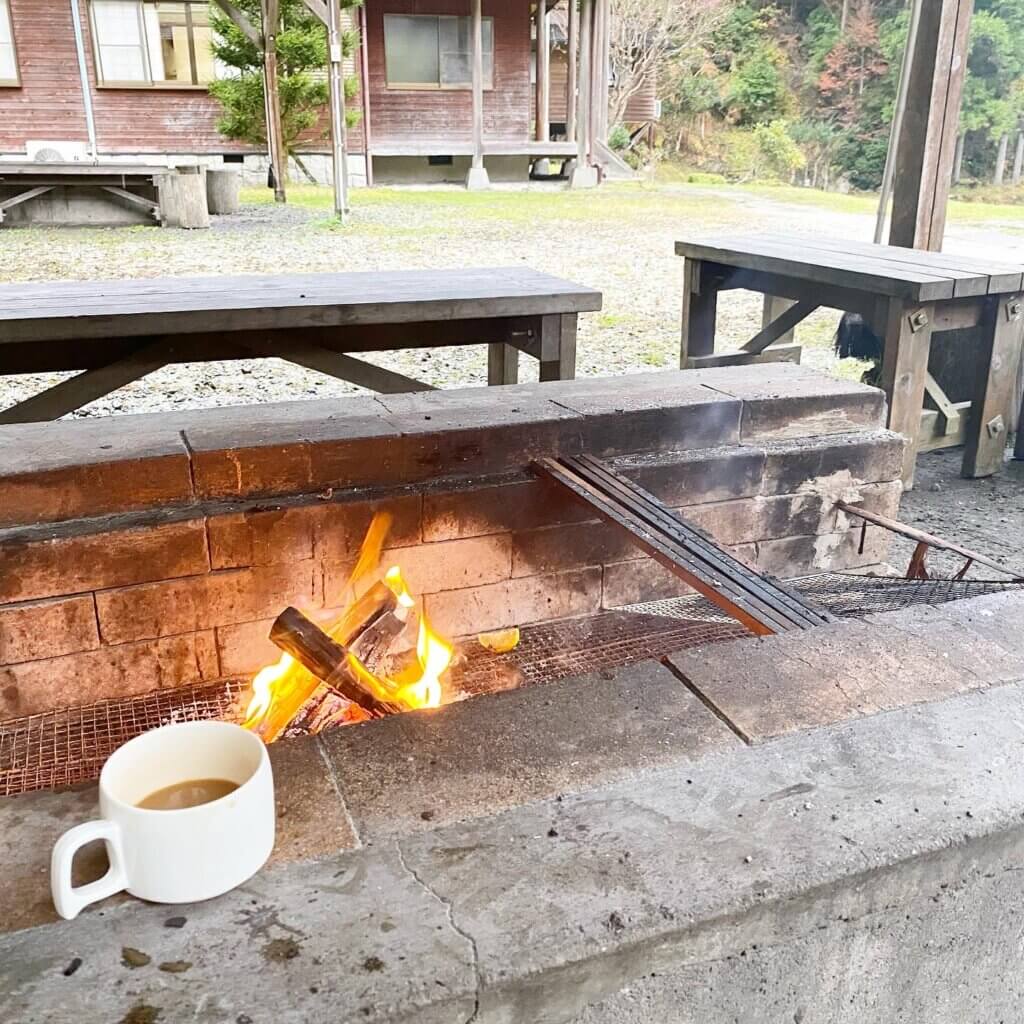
{"x":619,"y":239}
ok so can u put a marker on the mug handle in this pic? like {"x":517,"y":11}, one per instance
{"x":69,"y":899}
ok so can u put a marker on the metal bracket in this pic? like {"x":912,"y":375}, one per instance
{"x":1014,"y":309}
{"x":918,"y":321}
{"x":995,"y":426}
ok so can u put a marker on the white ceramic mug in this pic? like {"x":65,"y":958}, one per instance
{"x":175,"y":856}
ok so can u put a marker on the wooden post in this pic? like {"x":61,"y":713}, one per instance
{"x":364,"y":88}
{"x":958,"y":159}
{"x":584,"y":174}
{"x":275,"y":143}
{"x":572,"y":48}
{"x":700,"y":312}
{"x":1018,"y":159}
{"x":543,"y":126}
{"x":601,"y":78}
{"x":477,"y":177}
{"x":927,"y":140}
{"x":339,"y":127}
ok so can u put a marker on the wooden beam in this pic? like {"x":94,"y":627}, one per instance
{"x":782,"y":324}
{"x":241,"y":22}
{"x":271,"y":11}
{"x":926,"y":147}
{"x":775,"y":354}
{"x":72,"y":394}
{"x":572,"y":55}
{"x":543,"y":117}
{"x":341,"y":366}
{"x":153,"y":209}
{"x":22,"y":197}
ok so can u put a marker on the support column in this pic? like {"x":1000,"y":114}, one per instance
{"x":477,"y":177}
{"x":339,"y":127}
{"x":271,"y":12}
{"x":584,"y":175}
{"x":543,"y":115}
{"x":927,"y":140}
{"x":572,"y":48}
{"x":364,"y":85}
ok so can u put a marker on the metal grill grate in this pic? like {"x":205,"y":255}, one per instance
{"x":63,"y":747}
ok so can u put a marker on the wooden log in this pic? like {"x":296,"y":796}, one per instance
{"x":326,"y":659}
{"x":183,"y":199}
{"x":222,"y":189}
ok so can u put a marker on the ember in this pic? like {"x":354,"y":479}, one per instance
{"x":351,"y":669}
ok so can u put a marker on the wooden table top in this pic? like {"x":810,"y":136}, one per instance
{"x":128,"y":308}
{"x":881,"y":269}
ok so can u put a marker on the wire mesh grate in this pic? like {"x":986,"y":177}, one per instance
{"x":63,"y":747}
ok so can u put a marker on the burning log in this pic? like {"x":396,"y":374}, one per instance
{"x":329,"y":660}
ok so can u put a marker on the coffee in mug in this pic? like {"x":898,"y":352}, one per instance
{"x":186,"y":812}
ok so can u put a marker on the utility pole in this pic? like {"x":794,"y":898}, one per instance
{"x":339,"y":127}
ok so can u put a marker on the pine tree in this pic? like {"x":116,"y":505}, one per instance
{"x":302,"y":80}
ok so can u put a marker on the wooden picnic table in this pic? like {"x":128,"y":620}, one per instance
{"x":906,"y":295}
{"x":118,"y":331}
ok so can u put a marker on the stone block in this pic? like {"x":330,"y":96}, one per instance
{"x":470,"y":433}
{"x":868,"y":457}
{"x":640,"y":580}
{"x":429,"y":768}
{"x":497,"y":508}
{"x":74,"y":679}
{"x":441,"y":566}
{"x":202,"y":602}
{"x":47,"y":629}
{"x":68,"y":470}
{"x":557,"y":548}
{"x":244,"y":648}
{"x":700,"y":475}
{"x":311,"y":819}
{"x":787,"y":557}
{"x":785,"y":400}
{"x":293,"y":447}
{"x":340,"y":526}
{"x":515,"y":602}
{"x":40,"y":563}
{"x":785,"y":683}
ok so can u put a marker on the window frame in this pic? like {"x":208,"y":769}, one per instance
{"x":439,"y":86}
{"x":15,"y":82}
{"x":149,"y":83}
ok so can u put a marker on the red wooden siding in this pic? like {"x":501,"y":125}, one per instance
{"x":400,"y":114}
{"x":49,"y":103}
{"x":642,"y":104}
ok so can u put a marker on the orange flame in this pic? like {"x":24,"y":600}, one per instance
{"x":418,"y":686}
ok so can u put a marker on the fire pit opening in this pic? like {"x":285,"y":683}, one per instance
{"x":328,"y":566}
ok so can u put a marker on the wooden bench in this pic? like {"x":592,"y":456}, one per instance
{"x":906,"y":295}
{"x":134,"y":185}
{"x":118,"y":331}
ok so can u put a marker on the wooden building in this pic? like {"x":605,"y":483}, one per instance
{"x":105,"y":80}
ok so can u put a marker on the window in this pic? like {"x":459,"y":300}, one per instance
{"x":427,"y":52}
{"x":8,"y":57}
{"x":143,"y":42}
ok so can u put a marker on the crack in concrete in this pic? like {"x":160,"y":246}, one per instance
{"x":449,"y":914}
{"x":332,"y":776}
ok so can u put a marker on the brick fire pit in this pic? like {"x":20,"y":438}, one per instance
{"x":670,"y":839}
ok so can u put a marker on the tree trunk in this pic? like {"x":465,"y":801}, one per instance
{"x":997,"y":178}
{"x":1018,"y":159}
{"x":844,"y":15}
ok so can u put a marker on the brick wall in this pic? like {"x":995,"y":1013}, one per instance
{"x":140,"y":565}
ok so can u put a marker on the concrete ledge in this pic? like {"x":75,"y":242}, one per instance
{"x":865,"y":873}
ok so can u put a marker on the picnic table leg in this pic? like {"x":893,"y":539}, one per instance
{"x":558,"y":347}
{"x":994,"y":386}
{"x":906,"y":330}
{"x":700,"y":308}
{"x":502,"y":364}
{"x":773,"y":307}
